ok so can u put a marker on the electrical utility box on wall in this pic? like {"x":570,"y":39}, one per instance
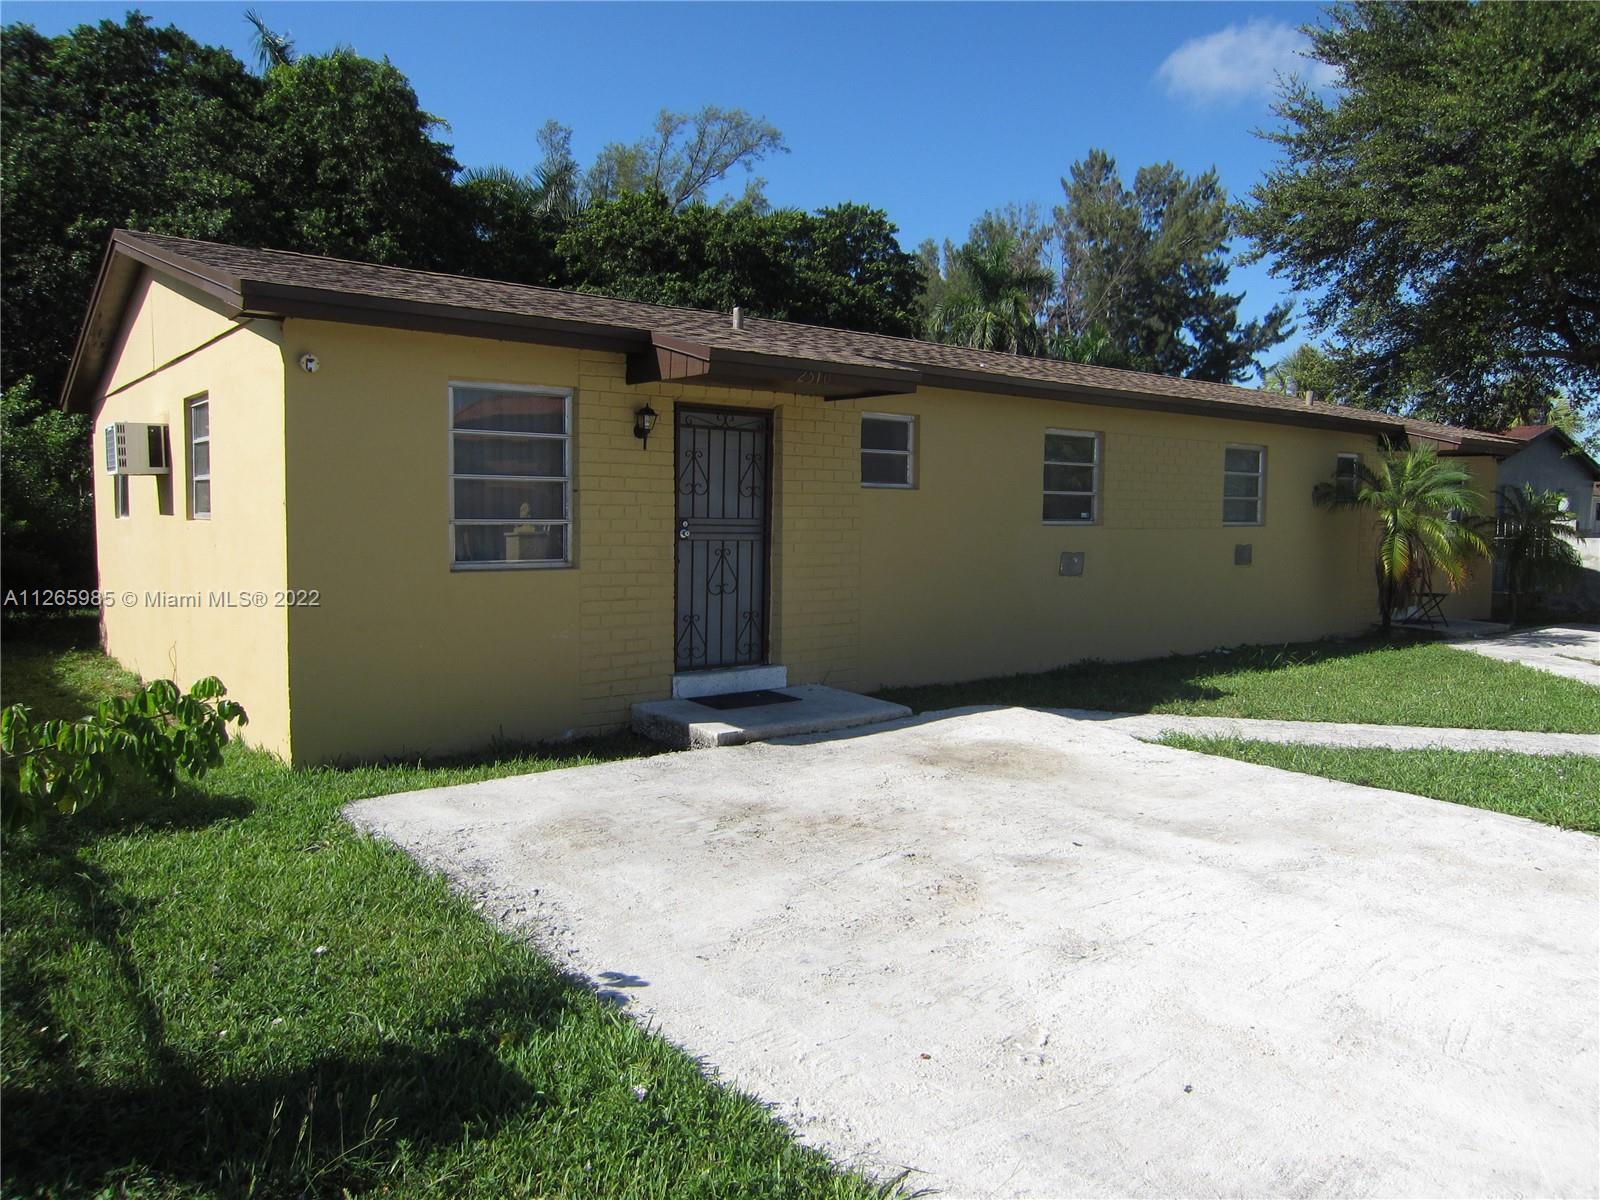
{"x":134,"y":448}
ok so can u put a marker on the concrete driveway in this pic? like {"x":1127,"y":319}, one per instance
{"x":1570,"y":650}
{"x":1022,"y":955}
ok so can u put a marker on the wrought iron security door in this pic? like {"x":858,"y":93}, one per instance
{"x":724,"y":475}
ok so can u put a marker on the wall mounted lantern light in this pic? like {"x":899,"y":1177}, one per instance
{"x":644,"y":420}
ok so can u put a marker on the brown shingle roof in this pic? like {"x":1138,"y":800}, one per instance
{"x":276,"y":282}
{"x":1526,"y":433}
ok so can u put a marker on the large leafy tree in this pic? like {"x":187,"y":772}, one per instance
{"x":348,"y":165}
{"x":46,"y":525}
{"x":511,"y":227}
{"x":1439,"y":206}
{"x":1423,"y":509}
{"x":1148,"y":266}
{"x":840,"y":267}
{"x":685,"y":155}
{"x":111,"y":124}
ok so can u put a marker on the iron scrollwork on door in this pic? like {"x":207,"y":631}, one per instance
{"x":723,"y":485}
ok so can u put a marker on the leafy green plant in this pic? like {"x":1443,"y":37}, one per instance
{"x":995,"y":299}
{"x":1534,"y":537}
{"x":46,"y":523}
{"x":1436,"y":208}
{"x":154,"y":733}
{"x":1423,"y":508}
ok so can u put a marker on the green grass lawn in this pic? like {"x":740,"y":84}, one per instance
{"x":230,"y":992}
{"x":1562,"y":791}
{"x":1407,"y":683}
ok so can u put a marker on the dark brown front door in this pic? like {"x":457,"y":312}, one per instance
{"x":724,"y":476}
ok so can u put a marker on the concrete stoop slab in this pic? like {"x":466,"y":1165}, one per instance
{"x":815,"y":709}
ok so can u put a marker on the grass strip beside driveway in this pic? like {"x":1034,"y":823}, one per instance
{"x":1365,"y":681}
{"x":1557,"y":790}
{"x":231,"y":992}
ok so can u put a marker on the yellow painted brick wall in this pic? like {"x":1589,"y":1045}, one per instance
{"x":626,"y":543}
{"x":347,"y":486}
{"x":175,"y":345}
{"x":1472,"y":601}
{"x":406,"y":655}
{"x":961,"y":575}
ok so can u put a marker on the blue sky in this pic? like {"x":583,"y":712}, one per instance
{"x":932,"y":112}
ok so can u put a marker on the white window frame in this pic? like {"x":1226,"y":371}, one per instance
{"x":193,"y":402}
{"x":120,"y":505}
{"x":565,"y":480}
{"x":909,"y":453}
{"x":1093,"y":494}
{"x":1260,"y":474}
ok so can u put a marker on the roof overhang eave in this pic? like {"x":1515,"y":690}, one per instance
{"x":676,"y":359}
{"x":266,"y":299}
{"x":956,"y":379}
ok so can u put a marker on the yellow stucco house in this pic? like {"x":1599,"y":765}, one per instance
{"x":400,"y":512}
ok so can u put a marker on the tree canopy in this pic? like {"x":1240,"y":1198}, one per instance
{"x":685,"y":154}
{"x":1148,"y":265}
{"x":112,"y":124}
{"x":346,"y":164}
{"x":840,"y":267}
{"x":1124,"y":278}
{"x":1439,"y":207}
{"x":127,"y":124}
{"x":1309,"y":371}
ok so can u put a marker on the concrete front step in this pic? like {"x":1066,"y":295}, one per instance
{"x":690,"y":685}
{"x":815,"y":709}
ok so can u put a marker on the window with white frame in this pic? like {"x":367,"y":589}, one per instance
{"x":888,"y":446}
{"x":199,"y":418}
{"x":1345,"y":476}
{"x":510,"y":476}
{"x":119,"y":485}
{"x":1071,"y":477}
{"x":1244,"y":477}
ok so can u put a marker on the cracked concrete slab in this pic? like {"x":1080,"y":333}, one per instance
{"x":1024,"y":956}
{"x":1569,"y":650}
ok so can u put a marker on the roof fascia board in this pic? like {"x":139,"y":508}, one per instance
{"x":125,"y":257}
{"x":675,"y":358}
{"x":288,"y":300}
{"x":209,"y":280}
{"x":113,"y":285}
{"x":888,"y":373}
{"x":1116,"y":398}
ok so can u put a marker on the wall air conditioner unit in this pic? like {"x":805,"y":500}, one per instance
{"x":134,"y":448}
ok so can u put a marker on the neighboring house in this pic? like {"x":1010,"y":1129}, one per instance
{"x":1551,"y":460}
{"x":410,"y":512}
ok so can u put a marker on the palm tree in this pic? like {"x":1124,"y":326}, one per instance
{"x":995,"y":305}
{"x":1092,"y":347}
{"x":272,"y":49}
{"x":1533,"y":537}
{"x":1423,"y":509}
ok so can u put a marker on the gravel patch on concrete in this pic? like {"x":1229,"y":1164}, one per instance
{"x":1570,"y":650}
{"x":1023,"y":956}
{"x":1330,"y":733}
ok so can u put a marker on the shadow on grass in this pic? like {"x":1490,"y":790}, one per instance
{"x":338,"y":1122}
{"x":334,"y":1124}
{"x":1136,"y":686}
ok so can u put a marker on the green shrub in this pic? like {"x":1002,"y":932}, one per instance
{"x":153,"y":734}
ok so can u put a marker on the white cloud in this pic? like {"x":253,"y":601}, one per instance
{"x":1241,"y":61}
